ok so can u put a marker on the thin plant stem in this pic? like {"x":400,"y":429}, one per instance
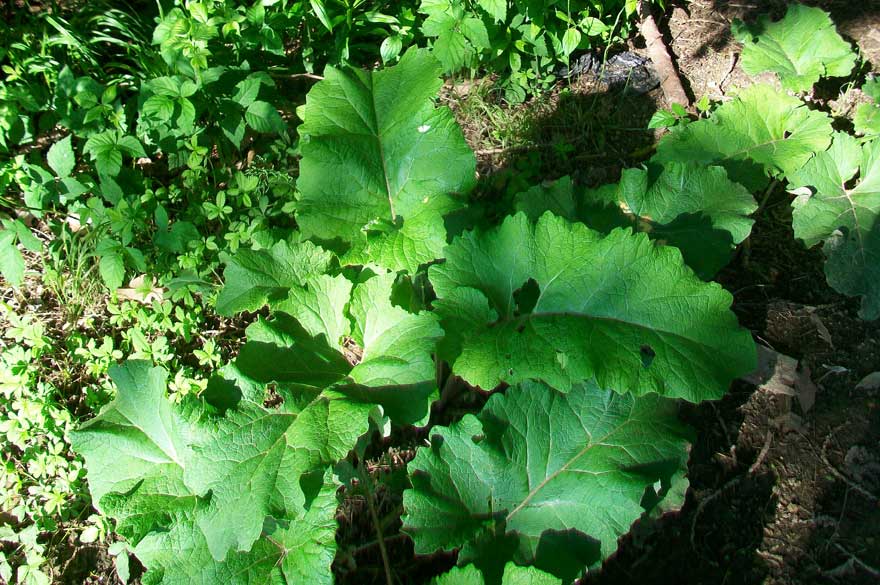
{"x":367,"y":481}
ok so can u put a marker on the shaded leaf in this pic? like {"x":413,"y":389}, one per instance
{"x":263,"y":117}
{"x":846,"y":220}
{"x":390,"y":362}
{"x":513,"y":575}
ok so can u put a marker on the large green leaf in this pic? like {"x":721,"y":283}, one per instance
{"x":378,"y":171}
{"x":207,"y":498}
{"x":359,"y":344}
{"x":846,"y":219}
{"x":543,"y":478}
{"x":690,"y":206}
{"x":616,"y":309}
{"x":800,"y":48}
{"x":762,"y":131}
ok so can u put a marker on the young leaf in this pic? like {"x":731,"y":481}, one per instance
{"x":159,"y":107}
{"x":392,"y":351}
{"x":801,"y":48}
{"x":246,"y":497}
{"x":867,"y":120}
{"x":542,"y":478}
{"x":570,"y":41}
{"x":615,"y":309}
{"x":254,"y":277}
{"x":760,"y":132}
{"x":475,"y":31}
{"x":513,"y":575}
{"x":248,"y":88}
{"x":61,"y":158}
{"x":111,"y":266}
{"x":663,"y":119}
{"x":557,"y":197}
{"x":846,"y":219}
{"x":379,"y":172}
{"x":692,"y":207}
{"x":11,"y":261}
{"x":165,"y":86}
{"x":390,"y":48}
{"x":456,"y":36}
{"x":497,"y":9}
{"x":107,"y":148}
{"x":232,"y":122}
{"x":263,"y":117}
{"x":25,"y":236}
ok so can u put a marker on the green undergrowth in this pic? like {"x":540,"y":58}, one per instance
{"x":231,"y":289}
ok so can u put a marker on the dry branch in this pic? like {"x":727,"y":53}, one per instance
{"x":659,"y":55}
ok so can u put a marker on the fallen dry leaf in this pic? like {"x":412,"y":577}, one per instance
{"x":778,"y":373}
{"x":821,"y":329}
{"x":141,"y":290}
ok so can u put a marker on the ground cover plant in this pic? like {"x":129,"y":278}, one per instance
{"x":239,"y":291}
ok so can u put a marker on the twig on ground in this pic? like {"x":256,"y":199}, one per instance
{"x":368,"y":545}
{"x":836,"y":472}
{"x":490,"y":151}
{"x":727,"y":439}
{"x":659,"y":55}
{"x":854,"y":560}
{"x":705,"y":502}
{"x":717,"y":493}
{"x":733,"y":59}
{"x":763,"y":454}
{"x":296,"y":76}
{"x":707,"y":21}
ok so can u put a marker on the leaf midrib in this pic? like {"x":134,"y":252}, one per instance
{"x":658,"y":330}
{"x":593,"y":443}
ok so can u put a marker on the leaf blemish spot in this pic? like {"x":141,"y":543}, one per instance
{"x":648,"y":355}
